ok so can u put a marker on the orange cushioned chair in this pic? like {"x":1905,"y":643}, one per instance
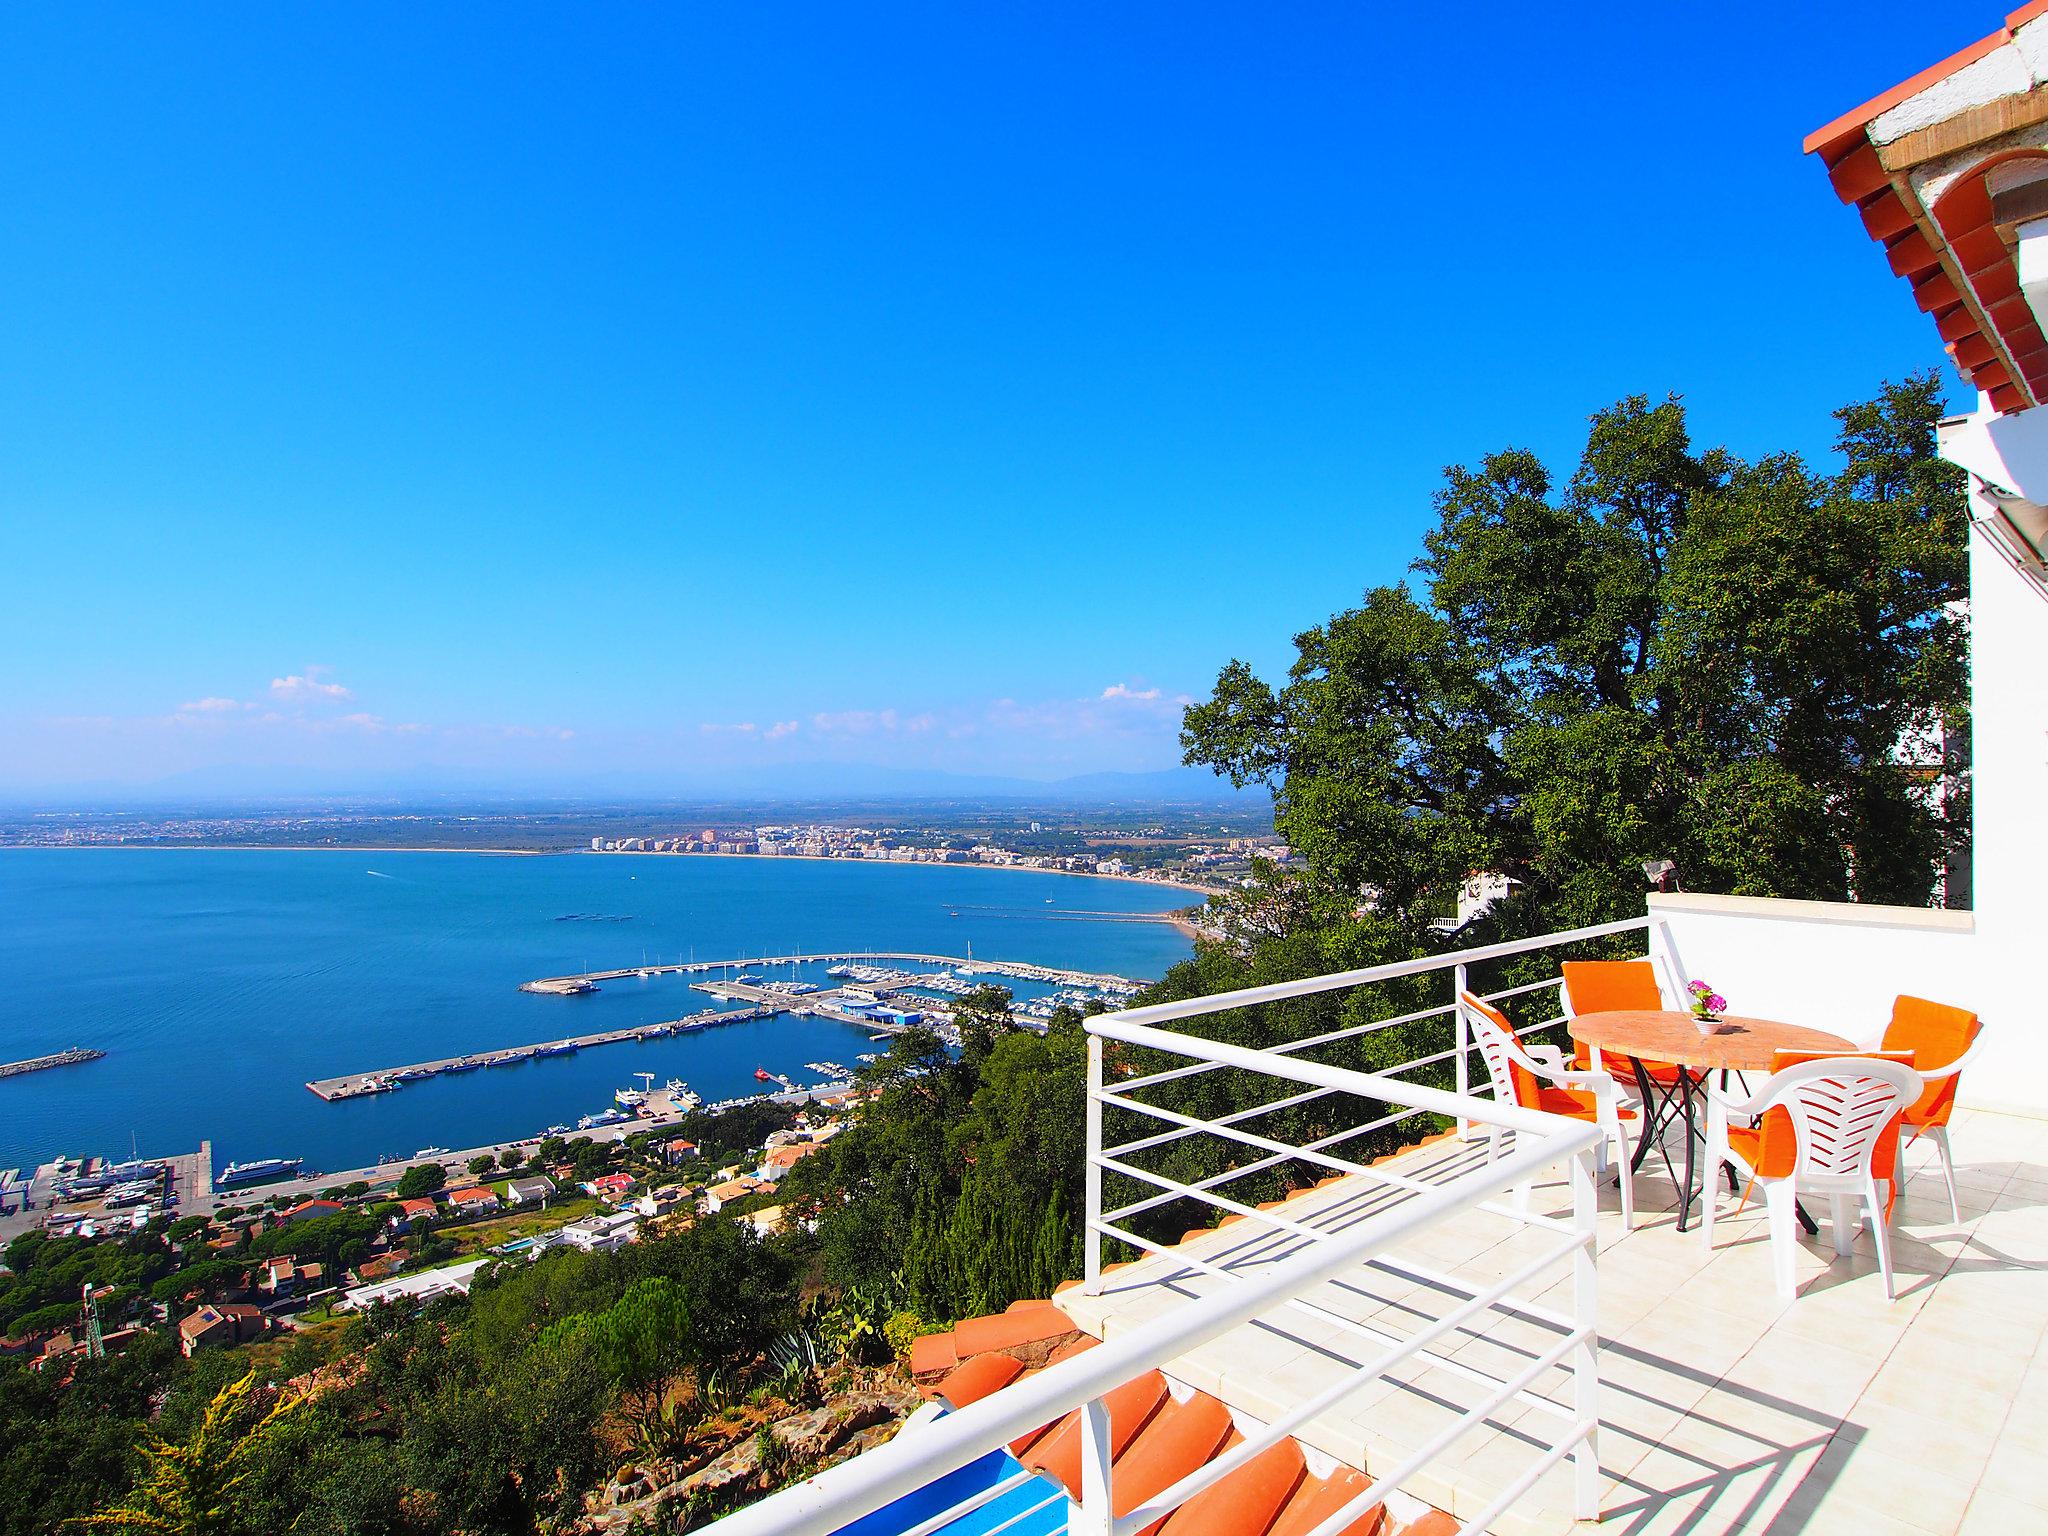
{"x":1941,"y":1039}
{"x":1613,"y":986}
{"x":1533,"y":1077}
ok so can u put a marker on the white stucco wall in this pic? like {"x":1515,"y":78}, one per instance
{"x":1829,"y":965}
{"x":2009,"y":749}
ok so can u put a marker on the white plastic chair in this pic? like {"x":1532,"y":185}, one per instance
{"x":1567,"y":1094}
{"x":1839,"y":1108}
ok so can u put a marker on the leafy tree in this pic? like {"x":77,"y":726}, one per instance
{"x":643,"y":1344}
{"x":963,"y":1176}
{"x":195,"y":1487}
{"x":510,"y":1159}
{"x":484,"y":1163}
{"x":1672,"y":654}
{"x":421,"y":1180}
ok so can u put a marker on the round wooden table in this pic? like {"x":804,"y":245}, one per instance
{"x":1738,"y":1045}
{"x":1672,"y":1038}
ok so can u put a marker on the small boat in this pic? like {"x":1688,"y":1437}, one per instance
{"x":602,"y":1118}
{"x":431,"y":1152}
{"x":558,"y":1130}
{"x":412,"y":1074}
{"x":510,"y":1058}
{"x":677,"y":1085}
{"x":559,"y":1048}
{"x":467,"y":1064}
{"x":762,"y":1074}
{"x":628,"y":1098}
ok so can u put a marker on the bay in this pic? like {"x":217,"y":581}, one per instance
{"x":220,"y":981}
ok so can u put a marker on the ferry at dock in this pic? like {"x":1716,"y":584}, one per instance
{"x":559,"y":1048}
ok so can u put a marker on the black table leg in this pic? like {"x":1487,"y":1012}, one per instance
{"x":1651,"y":1116}
{"x":1685,"y":1190}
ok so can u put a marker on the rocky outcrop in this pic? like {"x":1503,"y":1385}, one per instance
{"x":843,"y":1426}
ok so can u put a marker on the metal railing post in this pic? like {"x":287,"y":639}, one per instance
{"x":1462,"y":1032}
{"x":1091,"y":1277}
{"x":1586,"y":1357}
{"x":1091,"y":1512}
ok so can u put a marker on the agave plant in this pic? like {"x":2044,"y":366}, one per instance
{"x":793,"y":1366}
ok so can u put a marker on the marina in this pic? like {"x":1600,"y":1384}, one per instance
{"x":324,"y":974}
{"x":849,"y":965}
{"x":865,"y":998}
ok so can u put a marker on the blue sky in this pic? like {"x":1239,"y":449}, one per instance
{"x":555,"y":393}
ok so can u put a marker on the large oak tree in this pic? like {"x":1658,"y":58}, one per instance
{"x":1673,"y":653}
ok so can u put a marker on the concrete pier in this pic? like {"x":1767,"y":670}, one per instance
{"x":389,"y":1079}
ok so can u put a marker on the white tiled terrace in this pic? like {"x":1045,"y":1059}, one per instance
{"x":1724,"y":1408}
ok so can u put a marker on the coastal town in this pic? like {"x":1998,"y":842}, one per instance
{"x":1206,"y":846}
{"x":228,"y":1267}
{"x":1202,"y":866}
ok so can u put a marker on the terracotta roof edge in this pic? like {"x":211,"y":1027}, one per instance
{"x":1859,"y":118}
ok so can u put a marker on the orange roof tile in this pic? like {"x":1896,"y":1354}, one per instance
{"x":1247,"y":1500}
{"x":1007,"y":1330}
{"x":978,"y":1377}
{"x":1319,"y":1498}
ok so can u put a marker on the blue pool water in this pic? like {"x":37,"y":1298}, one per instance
{"x":914,"y":1509}
{"x":220,"y":981}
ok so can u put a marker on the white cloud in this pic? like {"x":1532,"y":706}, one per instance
{"x":212,"y":706}
{"x":307,"y":688}
{"x":736,"y":728}
{"x":779,"y":729}
{"x":1126,"y":691}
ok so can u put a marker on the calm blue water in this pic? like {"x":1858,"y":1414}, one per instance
{"x":220,"y":981}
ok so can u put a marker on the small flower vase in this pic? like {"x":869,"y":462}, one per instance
{"x":1705,"y":1014}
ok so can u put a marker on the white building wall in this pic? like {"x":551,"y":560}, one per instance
{"x":2009,"y":778}
{"x":1825,"y":964}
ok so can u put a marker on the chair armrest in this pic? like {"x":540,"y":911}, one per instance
{"x":1936,"y":1074}
{"x":1547,"y":1056}
{"x":1596,"y":1082}
{"x":1747,"y":1108}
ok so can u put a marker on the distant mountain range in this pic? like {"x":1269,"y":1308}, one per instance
{"x":244,"y":788}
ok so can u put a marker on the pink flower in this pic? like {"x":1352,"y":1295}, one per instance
{"x":1717,"y":1003}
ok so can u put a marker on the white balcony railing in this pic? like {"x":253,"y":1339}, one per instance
{"x":1292,"y":1279}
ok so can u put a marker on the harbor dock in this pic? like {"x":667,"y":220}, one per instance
{"x":587,"y":981}
{"x":65,"y":1058}
{"x":357,"y":1085}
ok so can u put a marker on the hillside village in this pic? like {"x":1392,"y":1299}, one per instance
{"x":81,"y":1286}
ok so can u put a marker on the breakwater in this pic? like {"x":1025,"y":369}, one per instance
{"x":357,"y":1085}
{"x":64,"y":1058}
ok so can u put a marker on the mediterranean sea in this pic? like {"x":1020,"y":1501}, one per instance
{"x":220,"y":981}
